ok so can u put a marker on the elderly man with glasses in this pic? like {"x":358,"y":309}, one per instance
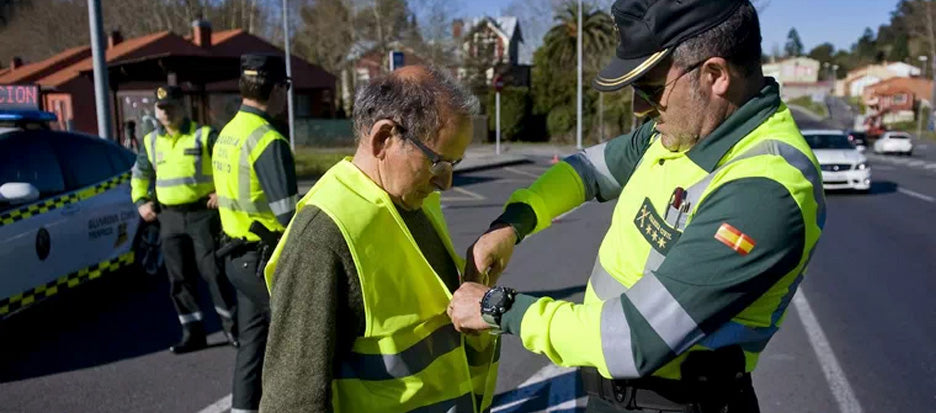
{"x":361,"y":280}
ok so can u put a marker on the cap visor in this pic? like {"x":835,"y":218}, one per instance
{"x":622,"y":72}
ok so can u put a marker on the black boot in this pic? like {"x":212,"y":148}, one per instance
{"x":193,"y":339}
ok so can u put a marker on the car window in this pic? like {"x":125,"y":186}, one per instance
{"x":85,"y":160}
{"x":896,"y":136}
{"x":26,"y":157}
{"x":121,"y":159}
{"x":828,"y":142}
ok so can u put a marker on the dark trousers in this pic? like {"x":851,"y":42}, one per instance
{"x":253,"y":322}
{"x":743,"y":400}
{"x":188,"y":243}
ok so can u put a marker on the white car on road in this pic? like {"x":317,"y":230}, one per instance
{"x":894,"y":142}
{"x":843,"y":167}
{"x":65,"y":214}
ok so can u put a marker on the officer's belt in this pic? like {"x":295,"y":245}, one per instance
{"x":654,"y":393}
{"x":199,"y":205}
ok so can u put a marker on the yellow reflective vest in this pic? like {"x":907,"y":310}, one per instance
{"x":180,"y":165}
{"x":241,"y":199}
{"x":410,"y":356}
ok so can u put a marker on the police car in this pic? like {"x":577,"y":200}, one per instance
{"x":65,"y":211}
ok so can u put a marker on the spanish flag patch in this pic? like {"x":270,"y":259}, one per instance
{"x":734,"y":239}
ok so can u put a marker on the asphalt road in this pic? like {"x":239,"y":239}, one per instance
{"x":863,"y":342}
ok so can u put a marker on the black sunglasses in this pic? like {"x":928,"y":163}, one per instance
{"x":654,"y":95}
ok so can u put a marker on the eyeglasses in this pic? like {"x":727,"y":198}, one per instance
{"x":439,"y":165}
{"x":653,"y":96}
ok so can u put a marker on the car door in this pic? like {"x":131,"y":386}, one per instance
{"x":34,"y":238}
{"x":106,"y":220}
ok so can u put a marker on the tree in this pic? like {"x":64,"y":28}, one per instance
{"x":598,"y":35}
{"x":794,"y":46}
{"x":866,"y":49}
{"x":822,"y":52}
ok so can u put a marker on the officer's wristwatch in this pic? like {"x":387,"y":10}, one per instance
{"x":495,"y":303}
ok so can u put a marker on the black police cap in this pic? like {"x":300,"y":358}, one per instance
{"x":651,"y":29}
{"x":169,"y":94}
{"x":270,"y":66}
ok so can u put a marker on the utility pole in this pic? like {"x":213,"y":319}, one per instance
{"x":289,"y":99}
{"x":101,"y":85}
{"x":578,"y":100}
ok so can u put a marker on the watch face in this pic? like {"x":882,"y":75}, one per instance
{"x":496,"y":297}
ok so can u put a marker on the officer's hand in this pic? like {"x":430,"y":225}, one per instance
{"x":212,"y":201}
{"x":465,"y":308}
{"x":489,"y":255}
{"x":146,"y":212}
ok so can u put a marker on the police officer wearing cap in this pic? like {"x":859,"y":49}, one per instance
{"x":719,"y":207}
{"x":255,"y":176}
{"x":176,"y":161}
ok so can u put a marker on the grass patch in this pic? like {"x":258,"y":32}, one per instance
{"x":311,"y":163}
{"x":807,"y":103}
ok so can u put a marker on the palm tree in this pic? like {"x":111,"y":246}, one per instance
{"x":598,"y":35}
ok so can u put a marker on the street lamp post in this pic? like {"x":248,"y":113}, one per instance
{"x":289,"y":98}
{"x":101,"y":84}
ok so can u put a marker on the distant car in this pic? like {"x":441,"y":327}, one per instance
{"x":843,"y":167}
{"x":859,"y":139}
{"x":65,"y":214}
{"x":894,"y":142}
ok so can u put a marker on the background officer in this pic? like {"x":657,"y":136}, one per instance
{"x":177,"y":156}
{"x":255,"y":176}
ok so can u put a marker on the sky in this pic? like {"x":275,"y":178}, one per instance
{"x":840,"y":22}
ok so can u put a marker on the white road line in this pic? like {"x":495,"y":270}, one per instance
{"x":835,"y":376}
{"x":470,"y":196}
{"x":222,"y":405}
{"x":916,"y":163}
{"x":545,"y":373}
{"x":521,"y":172}
{"x":917,"y":195}
{"x":930,"y":166}
{"x":885,"y":168}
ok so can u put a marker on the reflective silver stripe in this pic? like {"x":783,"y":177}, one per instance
{"x":616,"y":341}
{"x":664,"y":313}
{"x":791,"y":155}
{"x":591,"y":166}
{"x":248,"y":207}
{"x":460,"y":404}
{"x":152,"y":153}
{"x":403,"y":364}
{"x":604,"y":285}
{"x":189,"y":180}
{"x":198,"y":158}
{"x":285,"y":205}
{"x":243,"y":411}
{"x":223,"y":313}
{"x":190,"y":318}
{"x":243,"y":178}
{"x":136,"y":173}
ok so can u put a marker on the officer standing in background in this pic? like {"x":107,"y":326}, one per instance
{"x":177,"y":156}
{"x":255,"y":175}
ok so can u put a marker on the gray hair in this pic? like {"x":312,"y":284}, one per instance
{"x":420,"y":105}
{"x":737,"y":40}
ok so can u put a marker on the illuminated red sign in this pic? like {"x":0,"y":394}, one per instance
{"x":19,"y":96}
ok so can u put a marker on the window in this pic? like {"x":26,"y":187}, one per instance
{"x":898,"y":136}
{"x":900,"y":99}
{"x":85,"y":160}
{"x":25,"y":157}
{"x":828,"y":141}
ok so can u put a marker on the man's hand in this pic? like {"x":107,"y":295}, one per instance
{"x":212,"y":201}
{"x":146,"y":212}
{"x":489,"y":255}
{"x":465,"y":308}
